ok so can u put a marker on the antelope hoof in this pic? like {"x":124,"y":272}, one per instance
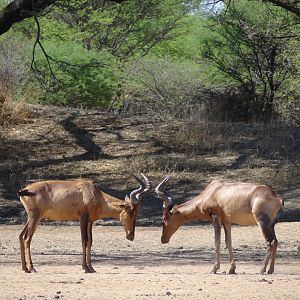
{"x":24,"y":268}
{"x":214,"y":270}
{"x":92,"y":270}
{"x":31,"y":270}
{"x":262,"y":271}
{"x":271,"y":271}
{"x":232,"y":271}
{"x":86,"y":269}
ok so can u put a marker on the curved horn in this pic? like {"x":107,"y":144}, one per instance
{"x":147,"y":184}
{"x":162,"y":194}
{"x":144,"y":187}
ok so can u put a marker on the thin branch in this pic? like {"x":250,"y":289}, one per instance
{"x":38,"y":42}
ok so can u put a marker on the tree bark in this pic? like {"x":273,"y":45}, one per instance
{"x":19,"y":10}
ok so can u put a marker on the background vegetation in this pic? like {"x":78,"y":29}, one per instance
{"x":188,"y":59}
{"x":199,"y":89}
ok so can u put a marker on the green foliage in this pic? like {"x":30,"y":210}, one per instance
{"x":189,"y":44}
{"x":287,"y":104}
{"x":255,"y":50}
{"x":247,"y":57}
{"x":163,"y":88}
{"x":98,"y":34}
{"x":78,"y":77}
{"x":186,"y":41}
{"x":124,"y":30}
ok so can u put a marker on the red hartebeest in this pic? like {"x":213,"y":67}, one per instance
{"x":225,"y":203}
{"x":76,"y":200}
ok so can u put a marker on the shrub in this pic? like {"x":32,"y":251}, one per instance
{"x":79,"y":77}
{"x":163,"y":88}
{"x":15,"y":90}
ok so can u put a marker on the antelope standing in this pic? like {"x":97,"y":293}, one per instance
{"x":225,"y":203}
{"x":76,"y":200}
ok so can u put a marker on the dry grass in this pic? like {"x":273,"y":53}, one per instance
{"x":199,"y":152}
{"x":196,"y":137}
{"x":12,"y":112}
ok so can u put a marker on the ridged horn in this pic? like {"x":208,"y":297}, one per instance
{"x":144,"y":188}
{"x":162,"y":194}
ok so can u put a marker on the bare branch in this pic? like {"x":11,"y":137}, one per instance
{"x":38,"y":42}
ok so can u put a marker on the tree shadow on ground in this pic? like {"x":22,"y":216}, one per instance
{"x":13,"y":177}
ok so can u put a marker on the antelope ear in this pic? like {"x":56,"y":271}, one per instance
{"x":174,"y":209}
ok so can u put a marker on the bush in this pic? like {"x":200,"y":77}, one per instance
{"x":12,"y":112}
{"x":79,"y":77}
{"x":287,"y":104}
{"x":163,"y":88}
{"x":15,"y":90}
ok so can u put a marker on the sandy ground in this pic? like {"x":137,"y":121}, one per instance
{"x":146,"y":269}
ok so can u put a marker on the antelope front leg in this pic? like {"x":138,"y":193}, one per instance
{"x":84,"y":241}
{"x":228,"y":241}
{"x":217,"y":226}
{"x":89,"y":247}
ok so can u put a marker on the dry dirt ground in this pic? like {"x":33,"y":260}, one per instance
{"x":146,"y":269}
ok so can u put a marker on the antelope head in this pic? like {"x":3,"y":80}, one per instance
{"x":130,"y":212}
{"x":170,"y":221}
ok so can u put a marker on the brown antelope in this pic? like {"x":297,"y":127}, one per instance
{"x":76,"y":200}
{"x":225,"y":203}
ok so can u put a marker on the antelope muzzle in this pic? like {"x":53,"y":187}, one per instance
{"x":130,"y":236}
